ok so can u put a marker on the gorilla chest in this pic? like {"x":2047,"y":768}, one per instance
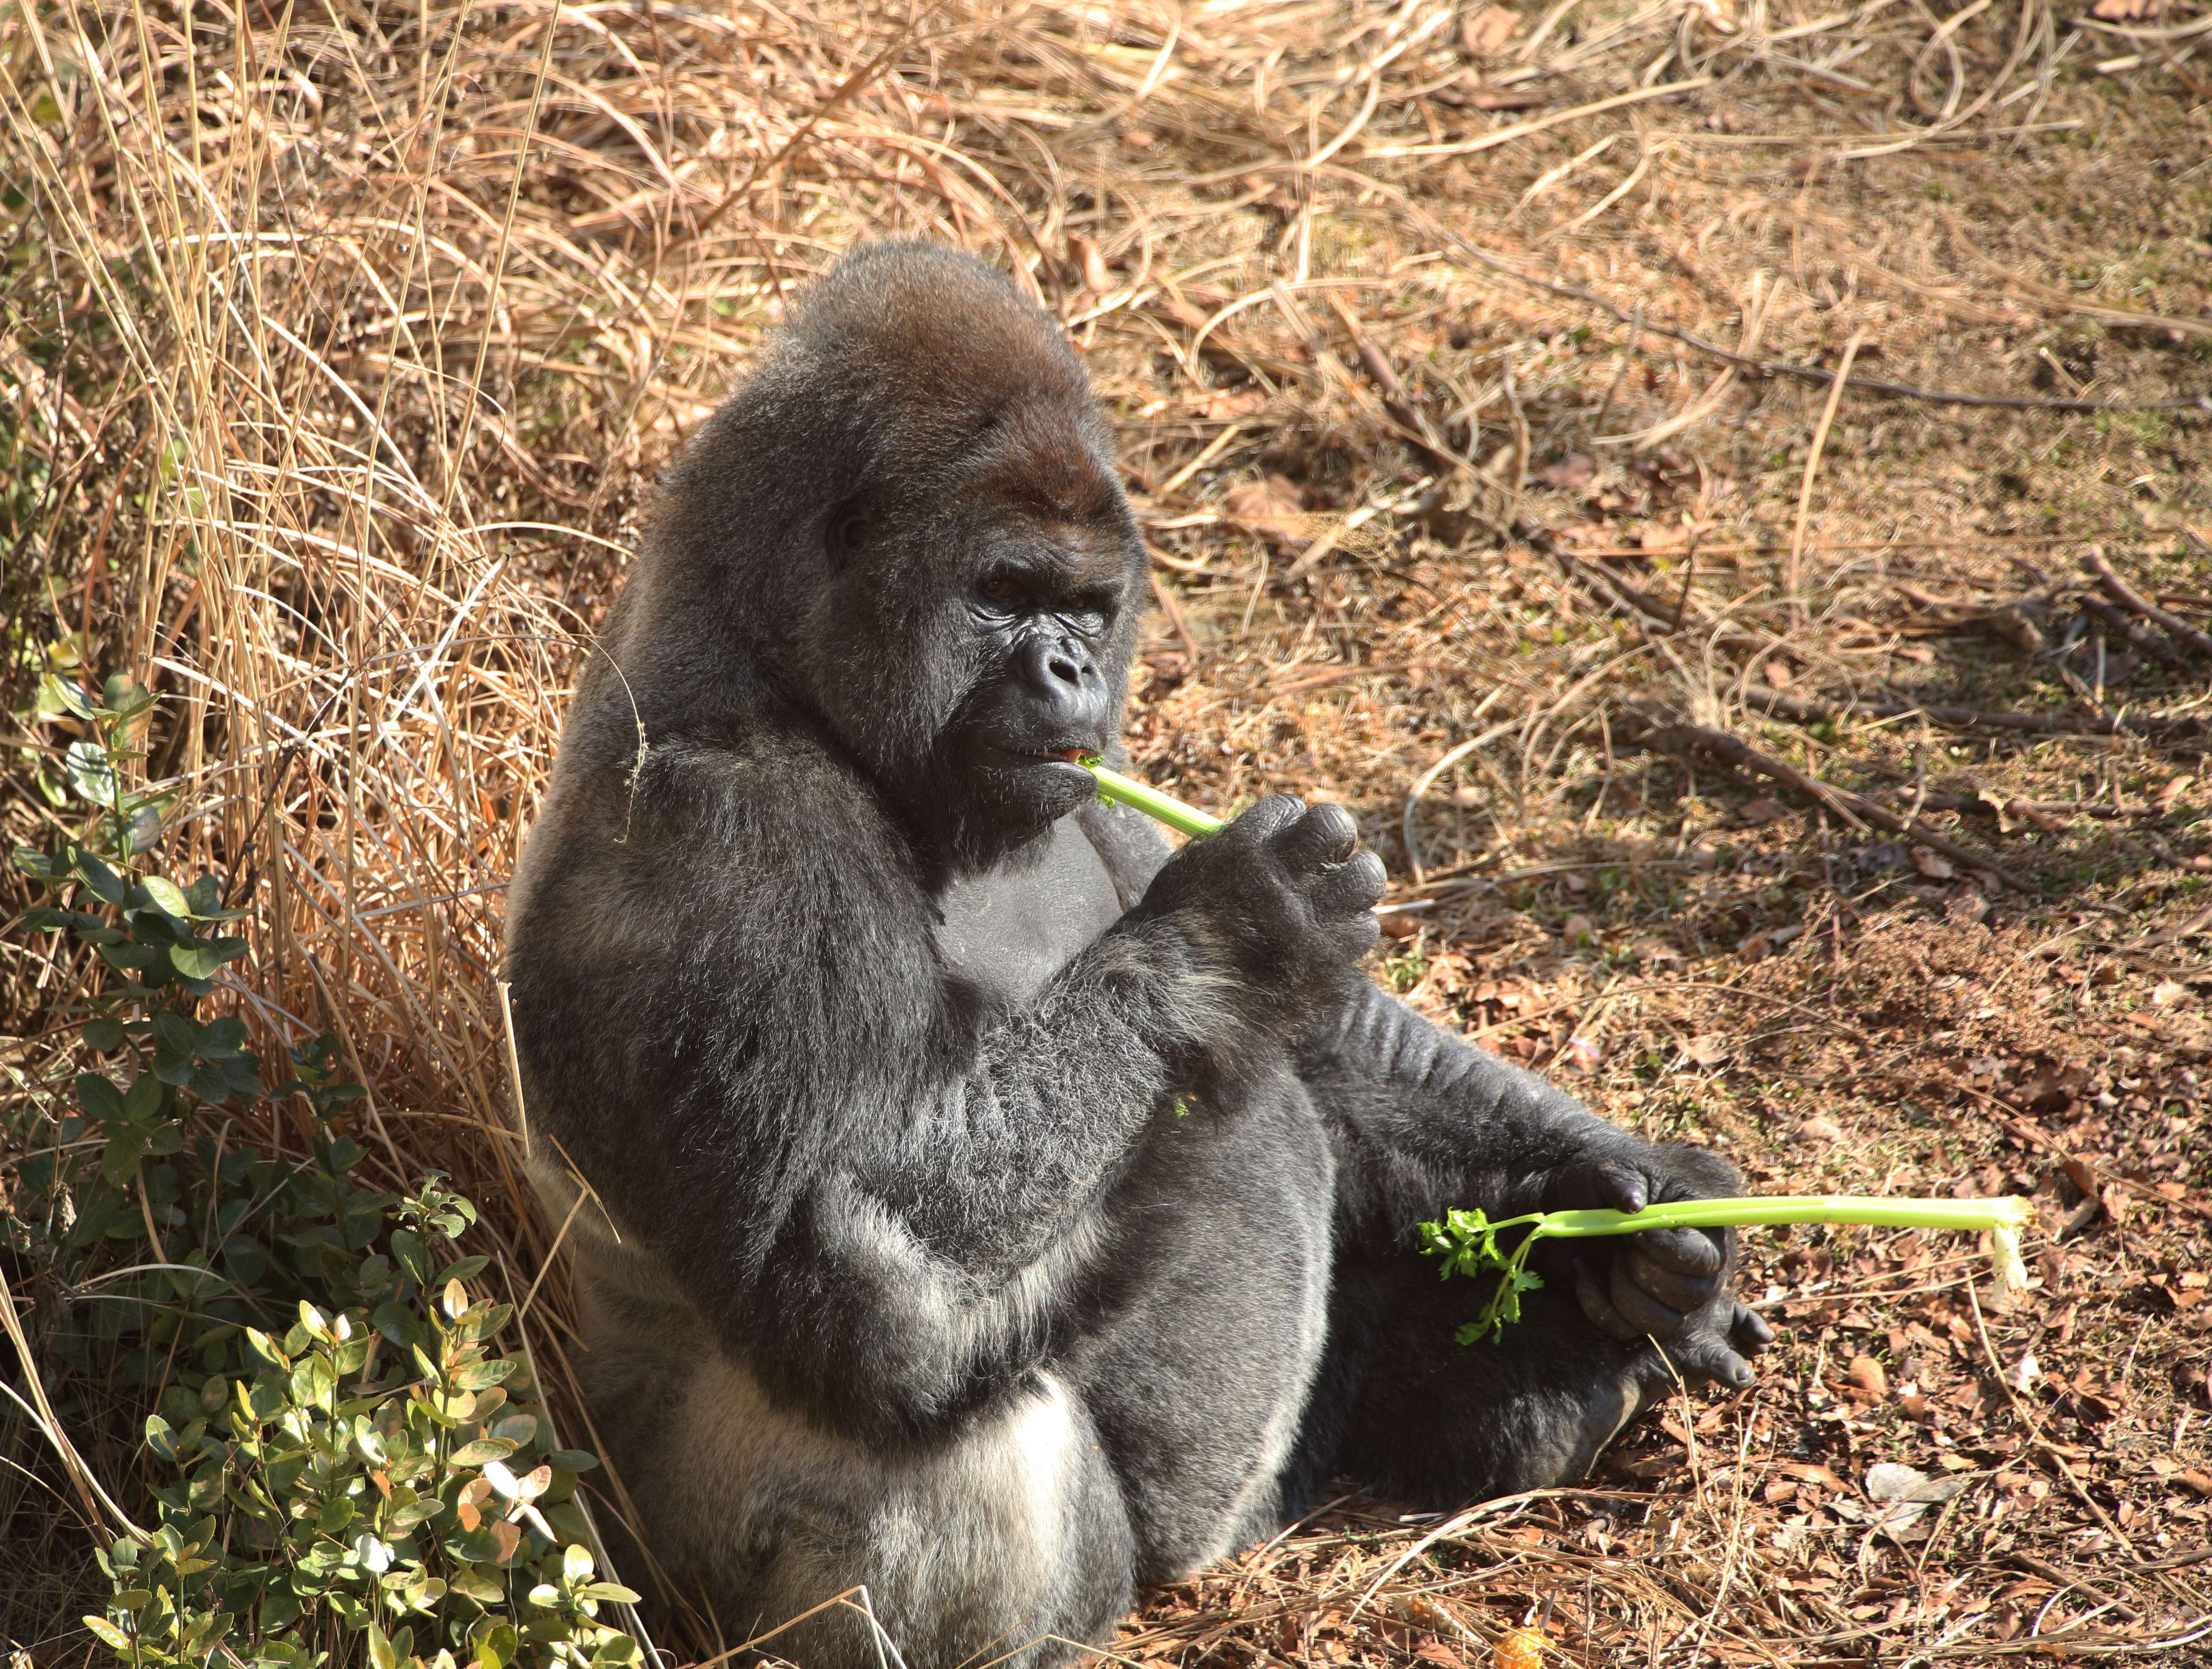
{"x":1010,"y":929}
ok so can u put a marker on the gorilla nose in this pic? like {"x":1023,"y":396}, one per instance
{"x":1058,"y":669}
{"x":1061,"y":672}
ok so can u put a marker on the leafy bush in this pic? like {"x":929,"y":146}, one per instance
{"x":351,"y":1469}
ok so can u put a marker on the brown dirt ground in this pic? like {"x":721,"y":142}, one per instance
{"x":1397,"y":309}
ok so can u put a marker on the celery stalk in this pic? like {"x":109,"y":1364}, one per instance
{"x":1467,"y":1241}
{"x":1161,"y":807}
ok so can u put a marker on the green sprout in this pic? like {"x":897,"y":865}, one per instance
{"x":1467,"y":1241}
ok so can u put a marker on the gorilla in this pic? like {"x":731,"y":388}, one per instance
{"x":970,"y":1197}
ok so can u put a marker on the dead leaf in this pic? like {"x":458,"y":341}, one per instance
{"x":1760,"y":811}
{"x":1488,"y":29}
{"x":2166,"y":992}
{"x":1778,"y":673}
{"x":1902,"y":1496}
{"x":1708,"y":1051}
{"x":1932,"y":865}
{"x":1865,"y":1375}
{"x":2127,"y":11}
{"x":1819,"y":1130}
{"x":1811,"y":1471}
{"x":1273,"y":508}
{"x":1570,"y":474}
{"x":1578,"y":930}
{"x":2162,"y":801}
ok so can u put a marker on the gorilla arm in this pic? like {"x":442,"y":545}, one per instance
{"x":1424,"y":1121}
{"x":883,"y":1195}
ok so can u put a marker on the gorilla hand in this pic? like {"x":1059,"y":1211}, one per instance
{"x":1669,"y":1285}
{"x":1283,"y":896}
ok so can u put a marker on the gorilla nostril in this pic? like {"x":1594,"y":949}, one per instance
{"x":1066,"y":671}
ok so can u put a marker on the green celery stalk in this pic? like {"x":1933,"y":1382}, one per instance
{"x":1467,"y":1241}
{"x":1161,"y":807}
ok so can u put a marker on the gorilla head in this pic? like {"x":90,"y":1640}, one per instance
{"x":911,"y":529}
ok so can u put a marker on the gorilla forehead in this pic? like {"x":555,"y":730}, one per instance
{"x":940,"y":363}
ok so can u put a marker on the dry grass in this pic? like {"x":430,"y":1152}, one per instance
{"x":340,"y":344}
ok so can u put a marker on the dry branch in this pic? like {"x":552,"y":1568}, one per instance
{"x":1684,"y":739}
{"x":1807,"y":710}
{"x":2128,"y":597}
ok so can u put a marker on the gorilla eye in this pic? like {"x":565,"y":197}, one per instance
{"x":842,"y":536}
{"x":1002,"y":587}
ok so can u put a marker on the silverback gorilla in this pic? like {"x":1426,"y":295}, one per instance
{"x":985,"y":1204}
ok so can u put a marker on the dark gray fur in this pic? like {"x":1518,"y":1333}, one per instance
{"x":900,"y":1265}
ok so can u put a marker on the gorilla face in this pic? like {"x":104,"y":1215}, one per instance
{"x":1013,"y":623}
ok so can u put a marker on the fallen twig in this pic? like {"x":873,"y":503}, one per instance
{"x":1680,"y":738}
{"x":2136,"y":636}
{"x":2034,"y":812}
{"x":2128,"y":597}
{"x":1805,"y":710}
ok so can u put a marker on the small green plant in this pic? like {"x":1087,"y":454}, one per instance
{"x":1467,"y":1242}
{"x":350,"y":1471}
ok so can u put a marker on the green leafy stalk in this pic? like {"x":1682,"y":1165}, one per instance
{"x":1467,"y":1241}
{"x":1163,"y":808}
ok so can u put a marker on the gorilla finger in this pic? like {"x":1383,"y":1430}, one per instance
{"x":1325,"y":835}
{"x":1620,"y":1188}
{"x":1748,"y":1332}
{"x":1703,"y":1355}
{"x":1264,"y":821}
{"x":1351,"y":887}
{"x":1685,"y":1251}
{"x":1671,"y":1287}
{"x":1642,"y":1311}
{"x":1599,"y":1308}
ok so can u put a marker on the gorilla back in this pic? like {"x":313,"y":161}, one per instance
{"x":985,"y":1206}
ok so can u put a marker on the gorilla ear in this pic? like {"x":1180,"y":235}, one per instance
{"x":844,"y":532}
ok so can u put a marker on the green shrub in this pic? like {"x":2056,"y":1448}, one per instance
{"x":346,"y":1467}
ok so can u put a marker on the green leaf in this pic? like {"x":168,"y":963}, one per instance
{"x":337,"y":1513}
{"x":484,"y":1449}
{"x":104,"y":883}
{"x":613,"y":1592}
{"x":572,"y":1460}
{"x":142,"y":827}
{"x":99,"y":1097}
{"x":168,"y":895}
{"x":141,"y":1102}
{"x":110,"y":1636}
{"x":380,"y":1649}
{"x":120,"y":1157}
{"x":60,"y":695}
{"x":575,"y":1564}
{"x":197,"y":959}
{"x":103,"y":1033}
